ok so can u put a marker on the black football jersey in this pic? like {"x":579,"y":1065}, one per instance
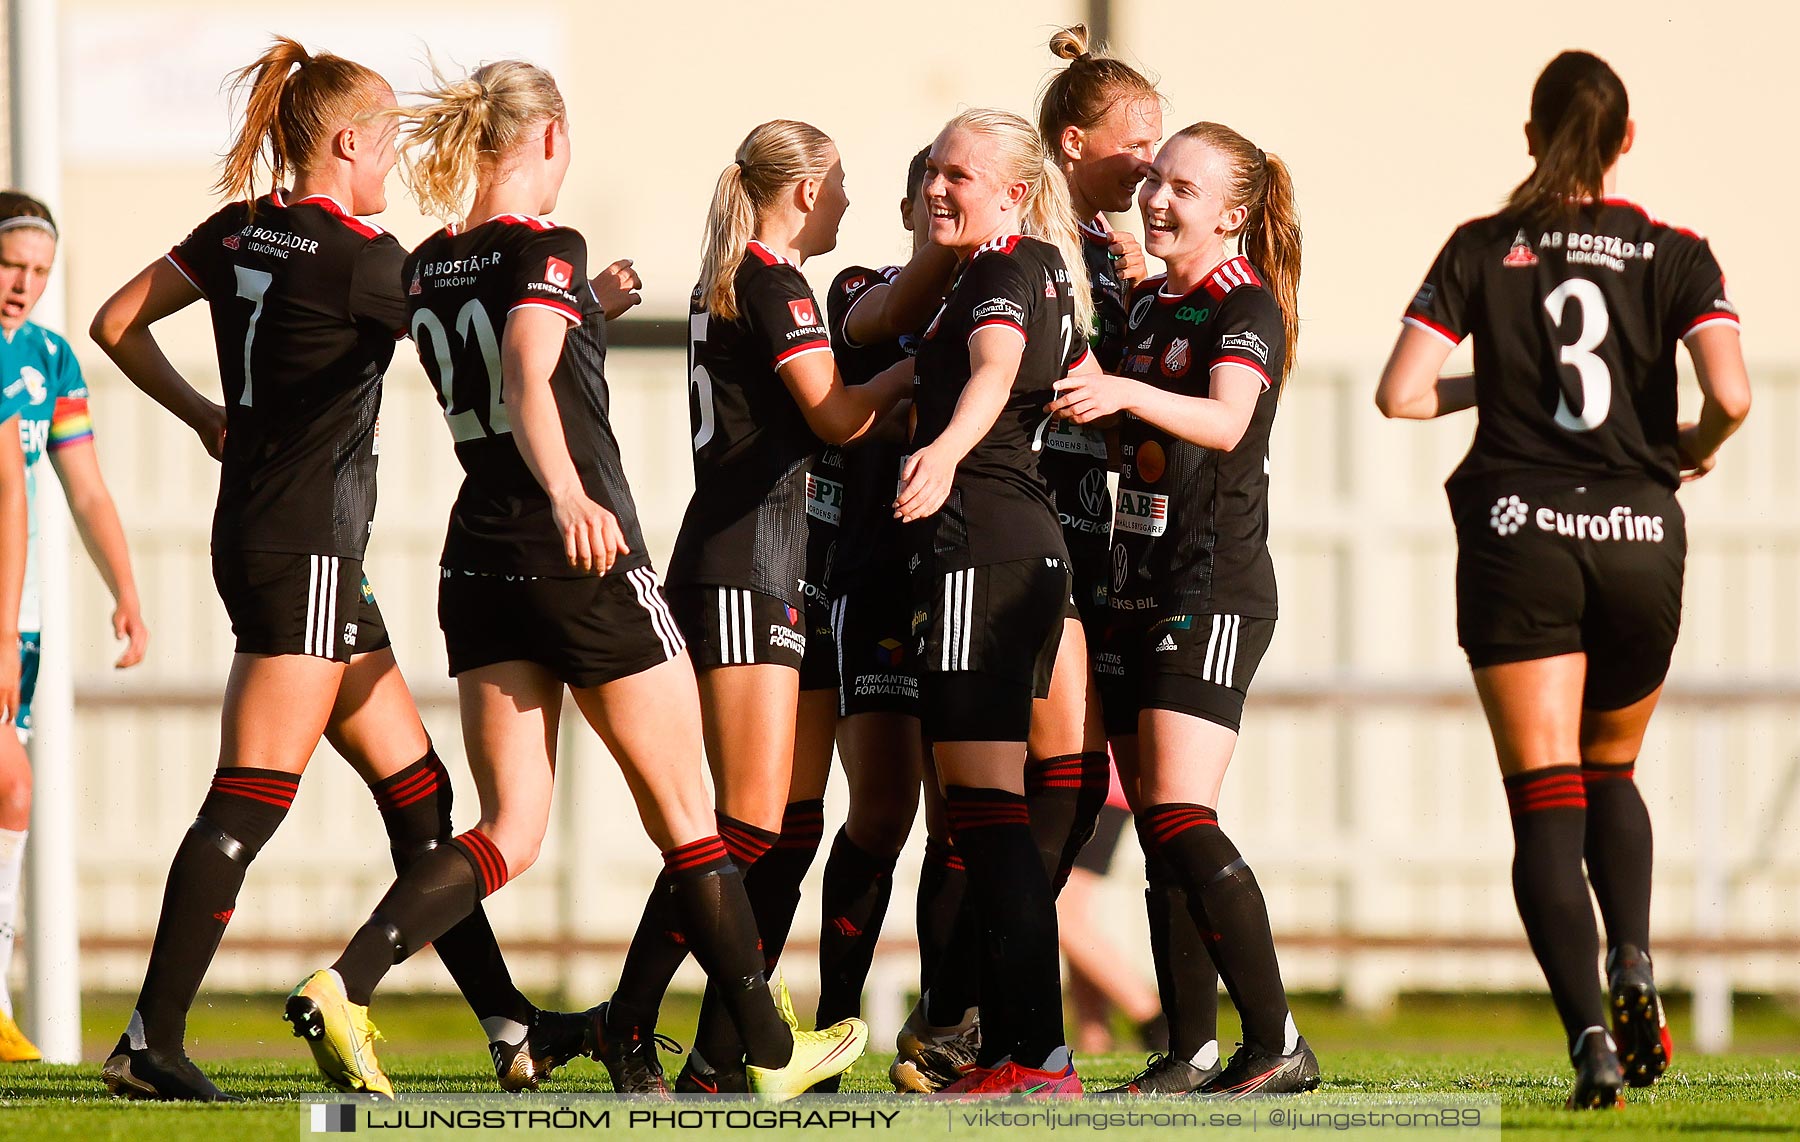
{"x":869,"y":536}
{"x":1108,"y":335}
{"x":747,"y":523}
{"x":1575,"y":327}
{"x":306,"y":303}
{"x":1074,"y":458}
{"x":1001,"y":507}
{"x":461,"y":287}
{"x":1191,"y":533}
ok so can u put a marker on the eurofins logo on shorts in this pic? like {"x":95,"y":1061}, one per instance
{"x":1508,"y":515}
{"x":1620,"y":524}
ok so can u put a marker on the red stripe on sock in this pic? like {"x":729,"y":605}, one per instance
{"x":408,"y":792}
{"x":1559,"y":788}
{"x":1590,"y":774}
{"x":269,"y":791}
{"x":694,"y":854}
{"x":488,"y":860}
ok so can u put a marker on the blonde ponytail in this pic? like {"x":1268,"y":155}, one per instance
{"x":770,"y":160}
{"x":1046,"y":212}
{"x":466,"y":122}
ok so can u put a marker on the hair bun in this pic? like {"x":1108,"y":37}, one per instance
{"x":1071,"y":43}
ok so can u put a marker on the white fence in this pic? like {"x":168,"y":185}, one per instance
{"x":1365,"y":793}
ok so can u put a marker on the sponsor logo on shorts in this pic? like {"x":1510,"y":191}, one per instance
{"x":1620,"y":524}
{"x":886,"y":686}
{"x":1121,"y":560}
{"x":890,"y":652}
{"x":1167,"y":643}
{"x":787,"y":638}
{"x":1508,"y":515}
{"x":1108,"y":663}
{"x":349,"y":634}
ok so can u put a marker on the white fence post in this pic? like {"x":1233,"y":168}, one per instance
{"x":1712,"y":886}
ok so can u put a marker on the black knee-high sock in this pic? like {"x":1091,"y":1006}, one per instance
{"x":1021,"y":974}
{"x":1226,"y":903}
{"x":773,"y":883}
{"x":238,"y":816}
{"x":436,"y":890}
{"x":1618,"y":849}
{"x":1065,"y":795}
{"x":659,"y":946}
{"x":942,"y":880}
{"x":853,"y":904}
{"x":1549,"y":818}
{"x":1186,"y":980}
{"x":415,"y":806}
{"x":716,"y":1042}
{"x":718,"y":925}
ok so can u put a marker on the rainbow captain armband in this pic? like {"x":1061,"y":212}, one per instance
{"x":71,"y":423}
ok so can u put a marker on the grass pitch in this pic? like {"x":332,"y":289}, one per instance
{"x":1502,"y":1046}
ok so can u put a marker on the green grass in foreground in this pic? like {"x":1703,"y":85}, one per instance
{"x":1503,"y":1046}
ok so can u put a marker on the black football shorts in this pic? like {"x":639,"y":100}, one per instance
{"x":587,"y":631}
{"x":819,"y":665}
{"x":985,"y":639}
{"x":1200,"y":665}
{"x":279,"y":603}
{"x":877,"y":669}
{"x":1594,"y":569}
{"x":736,"y":626}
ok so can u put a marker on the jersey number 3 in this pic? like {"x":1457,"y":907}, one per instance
{"x":1591,"y":324}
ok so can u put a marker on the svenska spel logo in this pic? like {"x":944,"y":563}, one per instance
{"x":559,"y":273}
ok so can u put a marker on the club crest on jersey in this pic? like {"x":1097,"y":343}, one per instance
{"x":558,"y":272}
{"x":1520,"y":254}
{"x":417,"y":287}
{"x":231,"y":241}
{"x":805,"y":313}
{"x":1177,"y":357}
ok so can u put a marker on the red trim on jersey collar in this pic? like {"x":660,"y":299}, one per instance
{"x":765,"y":255}
{"x":1096,"y":230}
{"x":1005,"y":245}
{"x":1229,"y":275}
{"x":1615,"y":200}
{"x":332,"y":207}
{"x":530,"y":221}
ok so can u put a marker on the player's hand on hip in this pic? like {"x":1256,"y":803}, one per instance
{"x":1693,"y":465}
{"x":128,"y":624}
{"x":925,"y":482}
{"x":617,"y":288}
{"x":210,"y":428}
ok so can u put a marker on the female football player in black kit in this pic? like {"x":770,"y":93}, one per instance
{"x":765,"y":392}
{"x":873,"y":325}
{"x":1101,"y":119}
{"x":546,"y":584}
{"x":1570,"y":541}
{"x":1193,"y":589}
{"x":991,"y":575}
{"x":306,"y":302}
